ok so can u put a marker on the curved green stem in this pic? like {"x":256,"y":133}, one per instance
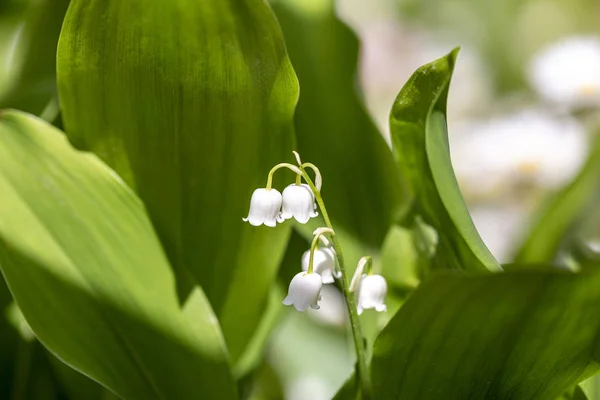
{"x":361,"y":355}
{"x":318,"y":233}
{"x":275,"y":168}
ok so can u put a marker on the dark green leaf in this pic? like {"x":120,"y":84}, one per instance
{"x":420,"y":140}
{"x":28,"y":37}
{"x":522,"y":335}
{"x":191,"y":102}
{"x":362,"y":186}
{"x":84,"y":265}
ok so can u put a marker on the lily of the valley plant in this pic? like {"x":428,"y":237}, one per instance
{"x":299,"y":201}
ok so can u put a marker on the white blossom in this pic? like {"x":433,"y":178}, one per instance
{"x":323,"y":263}
{"x":298,"y":202}
{"x":531,"y":146}
{"x":304,"y":291}
{"x":568,"y":72}
{"x":372,"y":290}
{"x":265,"y":206}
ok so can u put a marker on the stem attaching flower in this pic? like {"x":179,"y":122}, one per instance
{"x":323,"y":263}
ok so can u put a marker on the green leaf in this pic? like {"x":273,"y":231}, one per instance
{"x":420,"y":141}
{"x":362,"y":186}
{"x":86,"y":269}
{"x":191,"y":102}
{"x":522,"y":335}
{"x":575,"y":393}
{"x":28,"y":36}
{"x":564,"y":213}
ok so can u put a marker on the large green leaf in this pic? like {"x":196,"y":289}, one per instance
{"x":191,"y":102}
{"x":521,"y":335}
{"x":420,"y":141}
{"x":566,"y":211}
{"x":28,"y":36}
{"x":83,"y":263}
{"x":362,"y":186}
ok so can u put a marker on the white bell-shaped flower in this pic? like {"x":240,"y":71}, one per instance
{"x":304,"y":291}
{"x":298,"y":202}
{"x":265,"y":206}
{"x":371,"y":293}
{"x":323,"y":263}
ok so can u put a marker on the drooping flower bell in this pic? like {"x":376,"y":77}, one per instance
{"x":265,"y":206}
{"x":298,"y":202}
{"x":304,"y":291}
{"x":323,"y":263}
{"x":372,"y":290}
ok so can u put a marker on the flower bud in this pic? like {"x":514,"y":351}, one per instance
{"x":371,"y":293}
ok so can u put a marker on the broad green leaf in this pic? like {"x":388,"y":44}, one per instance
{"x":521,"y":335}
{"x":191,"y":102}
{"x":591,"y":387}
{"x":566,"y":211}
{"x":362,"y":186}
{"x":420,"y":142}
{"x":84,"y":266}
{"x":28,"y":36}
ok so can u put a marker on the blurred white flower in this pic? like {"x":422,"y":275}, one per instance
{"x":532,"y":147}
{"x":500,"y":226}
{"x":333,"y":308}
{"x":298,"y":202}
{"x":323,"y":263}
{"x":312,"y":387}
{"x":265,"y":206}
{"x":304,"y":291}
{"x":568,"y":72}
{"x":594,"y":245}
{"x":372,"y":290}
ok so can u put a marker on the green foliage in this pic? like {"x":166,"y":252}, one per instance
{"x":420,"y":140}
{"x":130,"y":273}
{"x":191,"y":102}
{"x":28,"y":37}
{"x":511,"y":335}
{"x":90,"y":276}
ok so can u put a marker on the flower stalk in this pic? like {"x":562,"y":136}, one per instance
{"x":361,"y":356}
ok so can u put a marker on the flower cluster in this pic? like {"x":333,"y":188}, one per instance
{"x":268,"y":206}
{"x":319,"y":267}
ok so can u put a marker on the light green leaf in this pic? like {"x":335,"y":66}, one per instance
{"x":565,"y":212}
{"x":191,"y":102}
{"x":86,"y":269}
{"x":420,"y":141}
{"x":28,"y":36}
{"x":362,"y":186}
{"x":521,"y":335}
